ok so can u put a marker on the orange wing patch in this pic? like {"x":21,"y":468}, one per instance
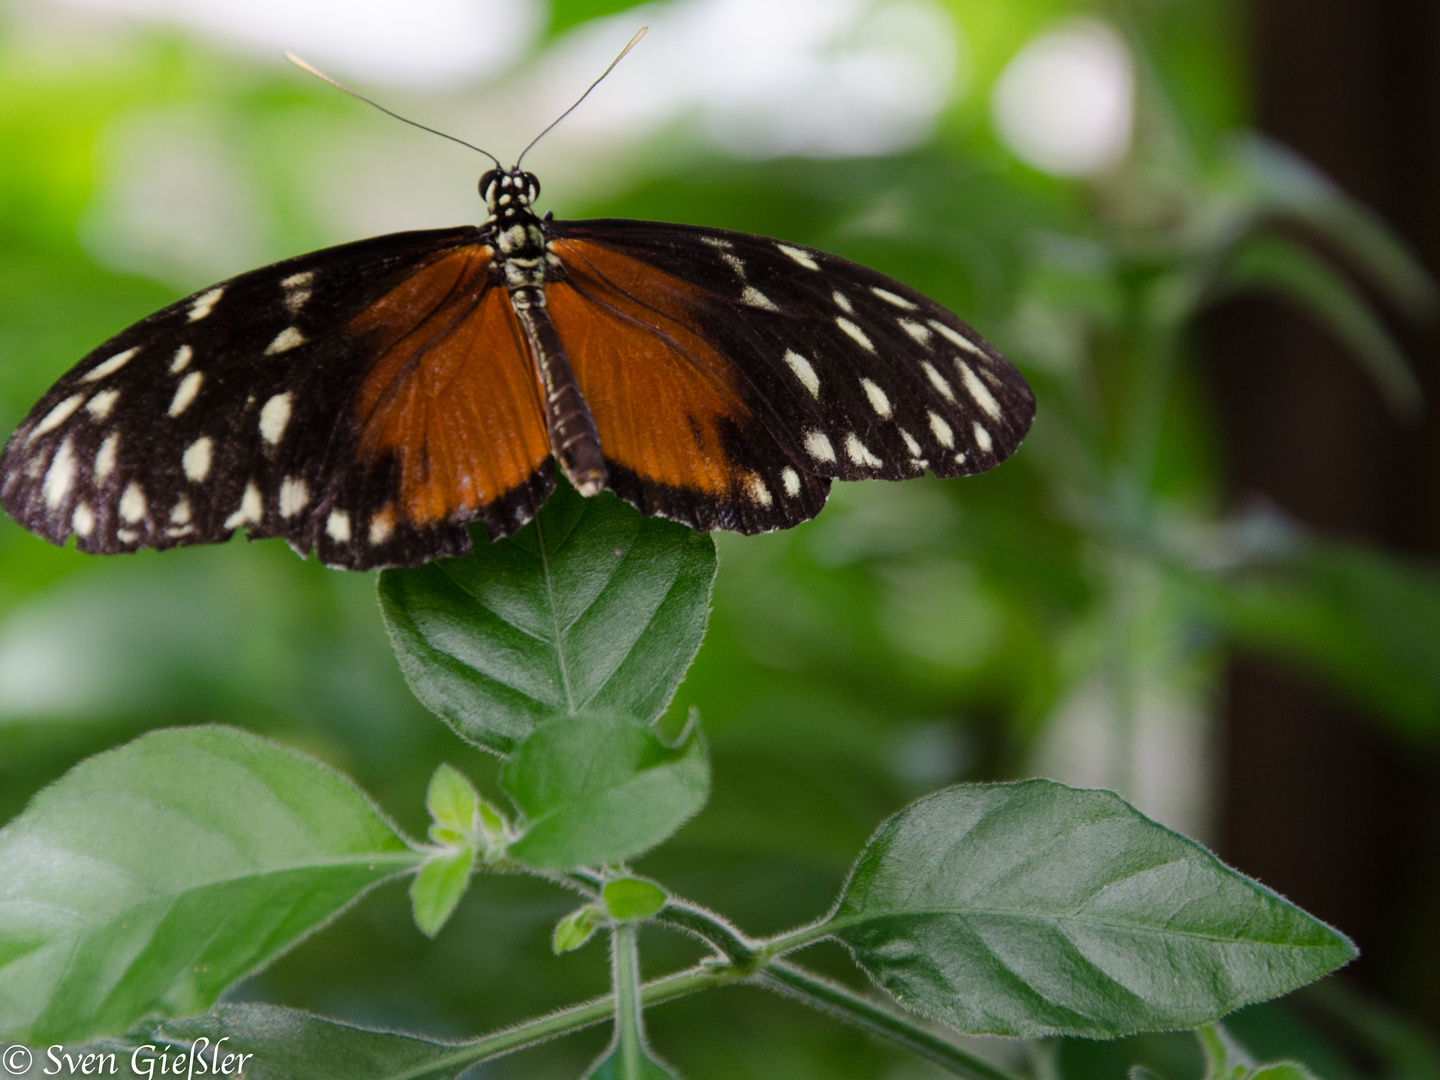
{"x":454,"y":396}
{"x":657,"y":389}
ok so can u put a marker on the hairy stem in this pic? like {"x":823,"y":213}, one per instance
{"x":844,"y":1004}
{"x":625,"y":967}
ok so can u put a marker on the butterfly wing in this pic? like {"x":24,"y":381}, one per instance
{"x":318,"y":399}
{"x":823,"y":369}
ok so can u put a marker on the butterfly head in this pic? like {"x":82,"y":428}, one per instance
{"x":506,"y":191}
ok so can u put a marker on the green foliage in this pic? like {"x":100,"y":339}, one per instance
{"x":1036,"y":909}
{"x":591,"y":607}
{"x":284,"y":1044}
{"x":631,"y":899}
{"x":914,"y":635}
{"x":601,"y":789}
{"x":155,"y":875}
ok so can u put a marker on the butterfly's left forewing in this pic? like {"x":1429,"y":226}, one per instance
{"x":265,"y":403}
{"x":850,"y":374}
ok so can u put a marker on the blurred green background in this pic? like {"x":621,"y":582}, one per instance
{"x":1206,"y":580}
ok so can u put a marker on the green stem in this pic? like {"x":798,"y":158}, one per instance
{"x":625,"y":967}
{"x":845,"y":1004}
{"x":575,"y":1018}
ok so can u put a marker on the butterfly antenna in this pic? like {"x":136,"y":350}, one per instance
{"x":321,"y":75}
{"x":633,"y":42}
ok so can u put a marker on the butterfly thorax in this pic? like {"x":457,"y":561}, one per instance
{"x":522,"y":261}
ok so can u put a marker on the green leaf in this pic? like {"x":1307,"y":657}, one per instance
{"x":590,"y":607}
{"x":601,"y":789}
{"x":575,"y":929}
{"x":1365,"y":621}
{"x":452,"y":800}
{"x":151,"y":877}
{"x":438,"y":887}
{"x":1226,"y":1059}
{"x":1283,"y":183}
{"x":631,"y":899}
{"x":1037,"y":909}
{"x":285,"y":1044}
{"x":642,"y":1067}
{"x":1290,"y":271}
{"x":568,"y":14}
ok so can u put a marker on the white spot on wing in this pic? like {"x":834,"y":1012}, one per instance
{"x":294,"y":495}
{"x":382,"y":527}
{"x":733,"y":261}
{"x":205,"y":303}
{"x":60,"y":476}
{"x":978,"y":390}
{"x":83,"y":520}
{"x":185,"y":393}
{"x":284,"y":341}
{"x":855,"y":332}
{"x":938,"y":381}
{"x":133,"y":503}
{"x":791,"y":479}
{"x":842,"y":302}
{"x":910,"y":443}
{"x":982,"y":438}
{"x":919,"y":331}
{"x":57,"y":416}
{"x":105,"y":456}
{"x":180,"y":515}
{"x":944,"y":434}
{"x":337,"y":526}
{"x":756,"y":299}
{"x":716,"y":241}
{"x":859,"y":453}
{"x":274,"y":417}
{"x":183,"y":355}
{"x":100,"y":405}
{"x":251,"y":511}
{"x":817,"y":445}
{"x":956,"y":338}
{"x":757,"y":490}
{"x":126,"y":536}
{"x":878,"y":401}
{"x":800,"y":255}
{"x":297,"y":290}
{"x":109,"y":367}
{"x":196,"y":459}
{"x":893,"y":298}
{"x":804,"y":372}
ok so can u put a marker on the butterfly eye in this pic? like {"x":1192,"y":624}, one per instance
{"x":487,"y":184}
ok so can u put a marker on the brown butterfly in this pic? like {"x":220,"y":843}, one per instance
{"x":368,"y":401}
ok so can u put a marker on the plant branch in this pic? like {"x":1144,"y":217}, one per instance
{"x":577,"y":1017}
{"x":830,"y":998}
{"x":844,"y":1004}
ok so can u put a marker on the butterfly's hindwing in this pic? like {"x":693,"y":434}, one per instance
{"x":854,"y":374}
{"x":233,"y":408}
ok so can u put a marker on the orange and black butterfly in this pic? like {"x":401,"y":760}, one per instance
{"x":367,"y":401}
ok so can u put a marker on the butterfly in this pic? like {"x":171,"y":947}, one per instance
{"x":367,"y":402}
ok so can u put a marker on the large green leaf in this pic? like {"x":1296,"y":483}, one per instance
{"x":1274,"y":264}
{"x":592,"y":606}
{"x":151,"y":877}
{"x":283,"y":1044}
{"x":1365,"y":621}
{"x":601,"y":789}
{"x":1282,"y":183}
{"x":1038,"y":909}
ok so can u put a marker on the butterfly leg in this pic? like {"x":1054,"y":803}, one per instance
{"x":573,"y":437}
